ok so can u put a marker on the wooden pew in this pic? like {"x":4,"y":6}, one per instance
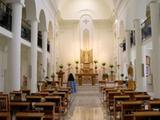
{"x":147,"y":115}
{"x":117,"y":104}
{"x":58,"y":104}
{"x":19,"y":106}
{"x":128,"y":107}
{"x":133,"y":93}
{"x":16,"y":96}
{"x":33,"y":98}
{"x":142,"y":97}
{"x":4,"y":107}
{"x":29,"y":116}
{"x":48,"y":108}
{"x":154,"y":105}
{"x":110,"y":101}
{"x":57,"y":100}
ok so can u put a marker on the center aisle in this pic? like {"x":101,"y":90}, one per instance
{"x":86,"y":105}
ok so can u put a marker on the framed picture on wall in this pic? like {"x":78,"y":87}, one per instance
{"x":148,"y":60}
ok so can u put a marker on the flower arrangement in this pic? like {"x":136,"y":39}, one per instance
{"x":69,"y":64}
{"x":111,"y":66}
{"x":95,"y":61}
{"x":61,"y":66}
{"x":76,"y":62}
{"x":105,"y":76}
{"x":103,"y":64}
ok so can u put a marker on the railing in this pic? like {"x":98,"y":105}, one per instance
{"x":40,"y":39}
{"x":48,"y":46}
{"x":26,"y":31}
{"x":146,"y":29}
{"x":5,"y":16}
{"x":132,"y":38}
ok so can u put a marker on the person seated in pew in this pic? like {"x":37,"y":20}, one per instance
{"x":72,"y":83}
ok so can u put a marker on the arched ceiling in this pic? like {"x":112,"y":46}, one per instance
{"x":97,"y":9}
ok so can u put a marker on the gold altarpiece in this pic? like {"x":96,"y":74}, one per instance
{"x":86,"y":67}
{"x":86,"y":61}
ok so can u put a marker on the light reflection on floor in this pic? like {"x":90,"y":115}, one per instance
{"x":86,"y":105}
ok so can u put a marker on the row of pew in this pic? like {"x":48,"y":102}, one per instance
{"x":126,"y":104}
{"x":49,"y":104}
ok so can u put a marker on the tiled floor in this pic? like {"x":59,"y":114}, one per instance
{"x":86,"y":105}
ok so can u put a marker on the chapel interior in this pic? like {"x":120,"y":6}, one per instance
{"x":79,"y":59}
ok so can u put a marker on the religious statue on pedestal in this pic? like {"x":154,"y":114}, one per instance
{"x":130,"y":72}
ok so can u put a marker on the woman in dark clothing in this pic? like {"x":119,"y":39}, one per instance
{"x":72,"y":83}
{"x":70,"y":77}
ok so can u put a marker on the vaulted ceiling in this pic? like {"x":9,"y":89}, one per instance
{"x":97,"y":9}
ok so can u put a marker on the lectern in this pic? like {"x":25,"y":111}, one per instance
{"x":60,"y":77}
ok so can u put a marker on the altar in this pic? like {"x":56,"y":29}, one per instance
{"x":86,"y":72}
{"x":80,"y":78}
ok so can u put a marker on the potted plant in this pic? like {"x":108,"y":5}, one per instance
{"x":105,"y":76}
{"x":111,"y":66}
{"x":61,"y":67}
{"x":103,"y":64}
{"x":69,"y":64}
{"x":95,"y":61}
{"x":76,"y":61}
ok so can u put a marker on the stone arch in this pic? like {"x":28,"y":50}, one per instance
{"x":31,"y":10}
{"x":50,"y":31}
{"x":42,"y":21}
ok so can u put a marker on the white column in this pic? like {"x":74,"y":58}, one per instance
{"x":44,"y":48}
{"x":15,"y":47}
{"x":34,"y":39}
{"x":155,"y":24}
{"x":52,"y":53}
{"x":138,"y":71}
{"x":128,"y":46}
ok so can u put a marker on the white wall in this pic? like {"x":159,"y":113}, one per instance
{"x":25,"y":64}
{"x":103,"y":46}
{"x":69,"y":43}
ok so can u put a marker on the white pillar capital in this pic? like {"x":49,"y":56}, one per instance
{"x":152,"y":2}
{"x":21,"y":2}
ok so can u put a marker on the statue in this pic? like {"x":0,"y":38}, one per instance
{"x":130,"y":72}
{"x":25,"y":80}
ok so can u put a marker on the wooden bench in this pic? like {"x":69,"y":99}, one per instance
{"x":29,"y":116}
{"x":57,"y":100}
{"x":34,"y":98}
{"x":142,"y":97}
{"x":154,"y":105}
{"x":147,"y":115}
{"x":117,"y":104}
{"x":128,"y":107}
{"x":19,"y":106}
{"x":4,"y":107}
{"x":48,"y":108}
{"x":110,"y":101}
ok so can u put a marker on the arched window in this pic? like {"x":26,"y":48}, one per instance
{"x":86,"y":39}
